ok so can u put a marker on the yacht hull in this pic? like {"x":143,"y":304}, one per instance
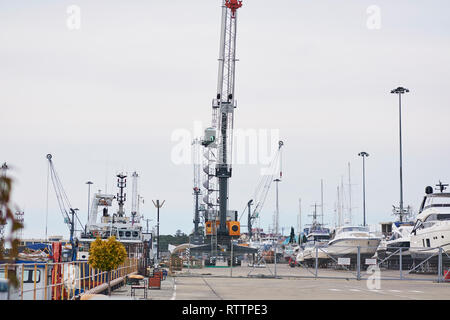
{"x":344,"y":247}
{"x":426,"y":242}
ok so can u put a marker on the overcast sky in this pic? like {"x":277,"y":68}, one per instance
{"x":108,"y":96}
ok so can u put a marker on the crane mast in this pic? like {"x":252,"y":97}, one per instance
{"x":224,"y":105}
{"x":196,"y":159}
{"x":218,"y":145}
{"x":218,"y":141}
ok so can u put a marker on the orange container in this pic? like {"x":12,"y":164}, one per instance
{"x":154,"y":282}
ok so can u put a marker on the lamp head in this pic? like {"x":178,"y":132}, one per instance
{"x":363,"y":154}
{"x":400,"y":90}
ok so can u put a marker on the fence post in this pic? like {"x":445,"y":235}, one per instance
{"x":21,"y":281}
{"x":84,"y":281}
{"x":440,"y":266}
{"x":358,"y":264}
{"x":275,"y":257}
{"x":401,"y":264}
{"x":34,"y":281}
{"x":317,"y":260}
{"x":45,"y":282}
{"x":54,"y":270}
{"x":62,"y":281}
{"x":74,"y":281}
{"x":79,"y":278}
{"x":231,"y":260}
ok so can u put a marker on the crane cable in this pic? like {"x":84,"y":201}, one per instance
{"x":263,"y":186}
{"x":61,"y":196}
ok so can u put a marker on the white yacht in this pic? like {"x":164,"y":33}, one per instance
{"x":388,"y":251}
{"x":432,"y":227}
{"x":316,"y":239}
{"x":347,"y":239}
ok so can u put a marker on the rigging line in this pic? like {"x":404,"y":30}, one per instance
{"x":242,"y":213}
{"x":60,"y":187}
{"x":265,"y":178}
{"x":58,"y":198}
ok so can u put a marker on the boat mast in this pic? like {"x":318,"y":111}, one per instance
{"x":349,"y":195}
{"x":321,"y":198}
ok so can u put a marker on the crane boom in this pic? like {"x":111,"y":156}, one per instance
{"x":63,"y":201}
{"x":263,"y":187}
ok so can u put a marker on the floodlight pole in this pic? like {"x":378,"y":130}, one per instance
{"x":400,"y":91}
{"x":364,"y":155}
{"x":158,"y":205}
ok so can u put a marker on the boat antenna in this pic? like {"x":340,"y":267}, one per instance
{"x":441,"y":186}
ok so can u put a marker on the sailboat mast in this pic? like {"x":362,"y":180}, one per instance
{"x":321,"y":198}
{"x":349,"y":194}
{"x":299,"y":218}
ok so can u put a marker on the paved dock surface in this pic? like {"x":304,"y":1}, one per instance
{"x":216,"y":284}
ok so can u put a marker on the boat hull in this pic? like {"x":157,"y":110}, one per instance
{"x":426,"y":242}
{"x":345,"y":247}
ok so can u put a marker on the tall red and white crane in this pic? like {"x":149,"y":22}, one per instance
{"x":221,"y":223}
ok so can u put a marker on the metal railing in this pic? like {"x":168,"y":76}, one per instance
{"x":60,"y":281}
{"x":351,"y":262}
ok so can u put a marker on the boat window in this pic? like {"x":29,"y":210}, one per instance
{"x":135,"y":234}
{"x":438,"y":217}
{"x":83,"y":247}
{"x":437,"y":202}
{"x":419,"y":225}
{"x":394,"y":236}
{"x":3,"y":286}
{"x":128,"y":234}
{"x":349,"y":229}
{"x":29,"y":276}
{"x":120,"y":233}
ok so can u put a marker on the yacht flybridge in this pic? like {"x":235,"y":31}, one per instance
{"x":432,"y":227}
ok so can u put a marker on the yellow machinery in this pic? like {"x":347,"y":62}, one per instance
{"x":234,"y":228}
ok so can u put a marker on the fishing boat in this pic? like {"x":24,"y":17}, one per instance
{"x":126,"y":229}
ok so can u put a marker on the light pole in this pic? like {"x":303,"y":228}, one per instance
{"x":400,"y":91}
{"x":89,"y":197}
{"x":364,"y":155}
{"x":277,"y":213}
{"x":158,"y":205}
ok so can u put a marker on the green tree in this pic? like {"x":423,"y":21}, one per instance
{"x":107,"y":255}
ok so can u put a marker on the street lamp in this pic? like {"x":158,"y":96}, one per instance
{"x":89,"y":197}
{"x":158,"y":205}
{"x":400,"y":91}
{"x":364,"y":154}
